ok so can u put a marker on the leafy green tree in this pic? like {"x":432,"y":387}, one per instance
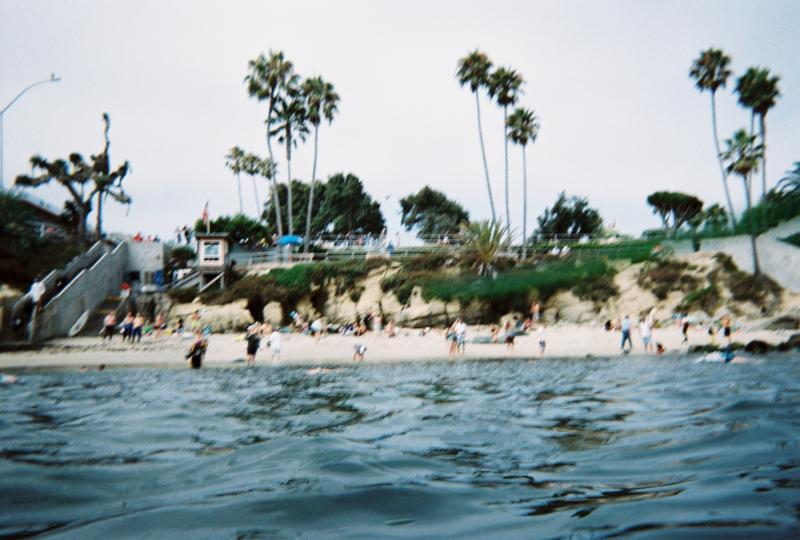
{"x":758,"y":91}
{"x":505,"y":85}
{"x":266,"y":81}
{"x":15,"y":229}
{"x":234,"y":160}
{"x":432,"y":213}
{"x":244,"y":230}
{"x":682,"y":208}
{"x":301,"y":191}
{"x":569,"y":217}
{"x":522,"y":127}
{"x":710,"y":72}
{"x":714,"y":219}
{"x":742,"y":155}
{"x":322,"y":101}
{"x":76,"y":174}
{"x":291,"y":124}
{"x":474,"y":69}
{"x":347,"y":208}
{"x":484,"y":241}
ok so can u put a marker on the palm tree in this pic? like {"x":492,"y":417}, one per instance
{"x":522,"y":127}
{"x":790,"y":184}
{"x":251,"y":166}
{"x":233,"y":160}
{"x":473,"y":69}
{"x":505,"y":84}
{"x":484,"y":241}
{"x":266,"y":81}
{"x":758,"y":91}
{"x":321,"y":102}
{"x":710,"y":72}
{"x":742,"y":156}
{"x":291,"y":123}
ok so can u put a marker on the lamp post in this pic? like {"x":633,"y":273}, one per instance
{"x":52,"y":79}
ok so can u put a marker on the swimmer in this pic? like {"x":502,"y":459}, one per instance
{"x":359,"y":350}
{"x":8,"y":379}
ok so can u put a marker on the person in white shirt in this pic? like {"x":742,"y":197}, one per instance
{"x":646,"y":332}
{"x":274,"y":343}
{"x":37,"y":291}
{"x":460,"y":330}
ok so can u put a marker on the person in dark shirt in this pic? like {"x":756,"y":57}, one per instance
{"x":197,"y":351}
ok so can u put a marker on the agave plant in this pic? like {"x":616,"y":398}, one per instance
{"x":484,"y":241}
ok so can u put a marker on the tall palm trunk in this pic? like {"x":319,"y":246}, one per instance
{"x":483,"y":153}
{"x":311,"y":191}
{"x":239,"y":185}
{"x":524,"y":205}
{"x":505,"y":144}
{"x":289,"y":180}
{"x":763,"y":126}
{"x":276,"y":200}
{"x":731,"y":214}
{"x":754,"y":249}
{"x":255,"y":192}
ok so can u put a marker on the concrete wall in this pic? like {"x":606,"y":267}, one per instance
{"x":84,"y":293}
{"x":779,"y":260}
{"x":144,"y":257}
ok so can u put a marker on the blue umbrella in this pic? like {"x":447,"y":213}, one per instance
{"x":290,"y":239}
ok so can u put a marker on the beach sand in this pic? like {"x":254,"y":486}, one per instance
{"x":228,"y":350}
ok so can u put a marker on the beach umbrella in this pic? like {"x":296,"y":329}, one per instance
{"x":290,"y":239}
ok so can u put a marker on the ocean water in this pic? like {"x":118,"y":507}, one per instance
{"x":638,"y":448}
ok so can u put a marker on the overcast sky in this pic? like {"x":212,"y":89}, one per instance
{"x":608,"y":80}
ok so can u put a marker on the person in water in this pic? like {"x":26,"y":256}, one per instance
{"x":197,"y":351}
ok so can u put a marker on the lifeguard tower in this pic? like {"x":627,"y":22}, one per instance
{"x":213,"y":259}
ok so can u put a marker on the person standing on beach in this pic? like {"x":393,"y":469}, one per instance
{"x":726,"y":328}
{"x":160,"y":324}
{"x":685,"y":329}
{"x":253,"y":340}
{"x":646,"y":333}
{"x":460,"y":329}
{"x":136,"y":333}
{"x":127,"y":327}
{"x":535,"y":308}
{"x":274,"y":343}
{"x":626,"y":332}
{"x":109,"y":325}
{"x":316,"y":329}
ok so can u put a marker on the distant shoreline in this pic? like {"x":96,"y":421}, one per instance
{"x":564,"y":341}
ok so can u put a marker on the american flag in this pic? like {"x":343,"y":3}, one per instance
{"x":204,"y":217}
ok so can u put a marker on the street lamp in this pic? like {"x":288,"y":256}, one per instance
{"x":52,"y":79}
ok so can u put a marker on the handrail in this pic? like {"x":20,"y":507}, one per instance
{"x":210,"y":283}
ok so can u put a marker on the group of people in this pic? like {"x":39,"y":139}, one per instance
{"x":647,"y":324}
{"x":255,"y":332}
{"x":133,"y":326}
{"x":183,"y":233}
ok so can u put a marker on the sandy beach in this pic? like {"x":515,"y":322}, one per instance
{"x":228,"y":350}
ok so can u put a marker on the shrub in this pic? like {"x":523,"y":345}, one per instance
{"x":665,"y":276}
{"x":184,"y":295}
